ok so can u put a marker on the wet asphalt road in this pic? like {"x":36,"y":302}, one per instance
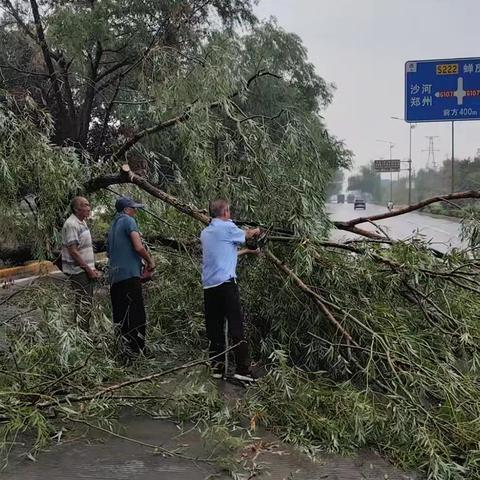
{"x":443,"y":233}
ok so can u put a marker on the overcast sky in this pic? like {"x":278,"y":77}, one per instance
{"x":362,"y":45}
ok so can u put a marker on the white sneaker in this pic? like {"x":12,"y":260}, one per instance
{"x":245,"y":377}
{"x":218,"y":370}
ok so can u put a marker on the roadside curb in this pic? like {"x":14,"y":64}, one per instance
{"x":440,"y":217}
{"x":38,"y":268}
{"x":35,"y":268}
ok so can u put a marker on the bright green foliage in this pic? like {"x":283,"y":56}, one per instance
{"x":262,"y":148}
{"x":30,"y":163}
{"x":412,"y":387}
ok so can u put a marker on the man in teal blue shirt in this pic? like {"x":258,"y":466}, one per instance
{"x":220,"y":241}
{"x":126,"y":251}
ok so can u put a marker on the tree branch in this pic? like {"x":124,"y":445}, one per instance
{"x":127,"y":176}
{"x":360,"y":231}
{"x":313,"y":295}
{"x":16,"y":15}
{"x":112,"y":69}
{"x":411,"y":208}
{"x":106,"y":391}
{"x":64,"y":66}
{"x":25,"y":72}
{"x":106,"y":119}
{"x":47,"y":58}
{"x":183,"y":116}
{"x":149,"y":131}
{"x":86,"y":109}
{"x":262,"y":117}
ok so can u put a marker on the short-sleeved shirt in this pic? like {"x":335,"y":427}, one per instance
{"x":76,"y":232}
{"x":124,"y":261}
{"x":219,"y":246}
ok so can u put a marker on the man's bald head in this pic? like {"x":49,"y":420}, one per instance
{"x":80,"y":206}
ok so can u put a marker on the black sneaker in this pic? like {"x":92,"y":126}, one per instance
{"x":245,"y":375}
{"x":218,"y":370}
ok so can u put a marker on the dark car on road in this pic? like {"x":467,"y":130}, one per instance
{"x":359,"y":203}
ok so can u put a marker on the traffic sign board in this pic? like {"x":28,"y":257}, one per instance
{"x":392,"y":165}
{"x":442,"y":90}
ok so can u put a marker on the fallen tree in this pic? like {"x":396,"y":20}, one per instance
{"x":25,"y":253}
{"x":395,"y":323}
{"x":368,"y":343}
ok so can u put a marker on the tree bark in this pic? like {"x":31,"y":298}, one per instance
{"x":86,"y":110}
{"x":127,"y":176}
{"x":63,"y":118}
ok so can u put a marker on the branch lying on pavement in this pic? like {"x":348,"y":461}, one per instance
{"x":156,"y":448}
{"x":411,"y":208}
{"x":106,"y":391}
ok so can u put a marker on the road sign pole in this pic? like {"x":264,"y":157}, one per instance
{"x":391,"y":175}
{"x":410,"y":168}
{"x":391,"y":186}
{"x":453,"y":157}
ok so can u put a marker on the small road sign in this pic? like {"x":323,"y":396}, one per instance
{"x":392,"y":165}
{"x":442,"y":90}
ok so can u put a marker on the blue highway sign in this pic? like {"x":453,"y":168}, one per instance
{"x":442,"y":90}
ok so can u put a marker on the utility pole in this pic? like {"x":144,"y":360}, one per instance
{"x":411,"y":127}
{"x":390,"y":145}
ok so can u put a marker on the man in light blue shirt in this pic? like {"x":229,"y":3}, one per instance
{"x":220,"y":241}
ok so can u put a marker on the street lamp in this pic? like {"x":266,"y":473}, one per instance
{"x":391,"y":145}
{"x":412,"y":126}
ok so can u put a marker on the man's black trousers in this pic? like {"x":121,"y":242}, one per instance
{"x":223,"y":302}
{"x":129,"y":313}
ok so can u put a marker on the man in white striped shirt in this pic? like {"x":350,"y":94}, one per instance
{"x":78,"y":261}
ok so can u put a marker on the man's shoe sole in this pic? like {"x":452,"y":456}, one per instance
{"x":217,"y":375}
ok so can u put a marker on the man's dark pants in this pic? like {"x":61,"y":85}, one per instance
{"x":82,"y":287}
{"x":129,"y":313}
{"x":223,"y":302}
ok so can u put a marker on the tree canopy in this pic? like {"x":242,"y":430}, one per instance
{"x":192,"y":103}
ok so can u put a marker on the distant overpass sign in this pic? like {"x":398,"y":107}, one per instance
{"x":442,"y":90}
{"x":387,"y":165}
